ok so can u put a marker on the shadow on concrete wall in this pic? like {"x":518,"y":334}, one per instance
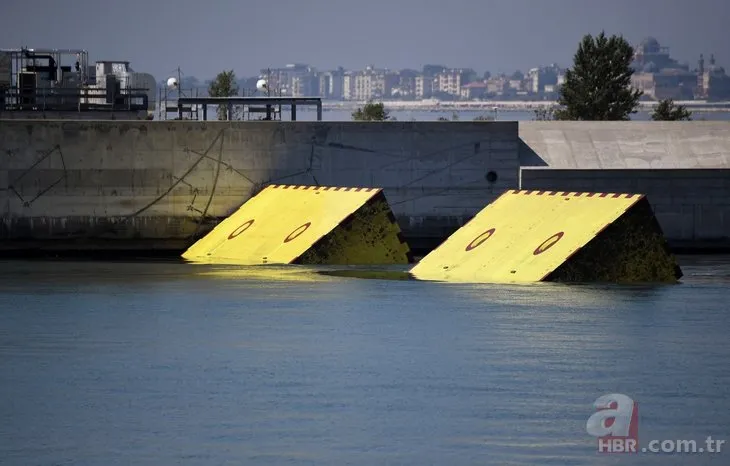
{"x":528,"y":157}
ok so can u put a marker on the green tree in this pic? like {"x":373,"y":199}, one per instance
{"x":598,"y":87}
{"x":667,"y":110}
{"x":224,"y":85}
{"x":371,"y":112}
{"x":544,"y":114}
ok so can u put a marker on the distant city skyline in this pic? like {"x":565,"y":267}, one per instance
{"x":656,"y":73}
{"x":498,"y":36}
{"x":691,"y":63}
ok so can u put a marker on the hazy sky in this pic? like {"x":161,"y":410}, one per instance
{"x":204,"y":37}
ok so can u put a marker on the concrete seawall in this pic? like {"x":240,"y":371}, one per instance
{"x":692,"y":206}
{"x":166,"y":182}
{"x":160,"y":184}
{"x":682,"y":167}
{"x":621,"y":144}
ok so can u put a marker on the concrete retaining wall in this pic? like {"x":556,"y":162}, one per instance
{"x":692,"y":206}
{"x":168,"y":180}
{"x":625,"y":144}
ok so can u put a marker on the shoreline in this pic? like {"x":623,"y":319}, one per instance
{"x":505,"y":106}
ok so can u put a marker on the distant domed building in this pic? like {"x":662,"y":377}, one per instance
{"x":658,"y":75}
{"x":649,"y":51}
{"x":650,"y":46}
{"x":650,"y":68}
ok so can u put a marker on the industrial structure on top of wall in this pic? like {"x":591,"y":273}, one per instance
{"x":60,"y":83}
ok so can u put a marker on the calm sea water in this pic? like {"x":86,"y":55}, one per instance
{"x":157,"y":363}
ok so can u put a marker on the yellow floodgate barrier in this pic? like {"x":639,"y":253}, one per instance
{"x":285,"y":224}
{"x":530,"y":236}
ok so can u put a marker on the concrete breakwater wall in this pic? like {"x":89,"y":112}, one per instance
{"x":625,"y":144}
{"x":164,"y":183}
{"x":692,"y":206}
{"x":682,"y":167}
{"x":160,"y":184}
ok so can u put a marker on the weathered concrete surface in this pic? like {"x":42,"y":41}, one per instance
{"x":632,"y":144}
{"x":692,"y":205}
{"x":682,"y":167}
{"x":172,"y":180}
{"x":97,"y":115}
{"x":159,"y":184}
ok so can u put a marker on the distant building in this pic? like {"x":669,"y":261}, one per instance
{"x":651,"y":57}
{"x":372,"y":83}
{"x":282,"y":80}
{"x":450,"y":81}
{"x":424,"y":87}
{"x":712,"y":82}
{"x":669,"y":83}
{"x":539,"y":78}
{"x":474,"y":90}
{"x":306,"y":85}
{"x":348,"y":85}
{"x":516,"y":84}
{"x":497,"y":86}
{"x":405,"y":87}
{"x":331,"y":84}
{"x":659,"y":76}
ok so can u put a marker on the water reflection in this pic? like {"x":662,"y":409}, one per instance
{"x":560,"y":295}
{"x":370,"y":274}
{"x":169,"y":363}
{"x":264,"y":272}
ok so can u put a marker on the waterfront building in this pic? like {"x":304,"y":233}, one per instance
{"x":370,"y":83}
{"x":424,"y":87}
{"x":712,"y":82}
{"x":405,"y":87}
{"x":497,"y":86}
{"x":516,"y":84}
{"x":652,"y":54}
{"x":348,"y":85}
{"x":669,"y":83}
{"x":306,"y":85}
{"x":331,"y":84}
{"x":474,"y":90}
{"x":449,"y":82}
{"x":282,"y":79}
{"x":543,"y":76}
{"x":660,"y":76}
